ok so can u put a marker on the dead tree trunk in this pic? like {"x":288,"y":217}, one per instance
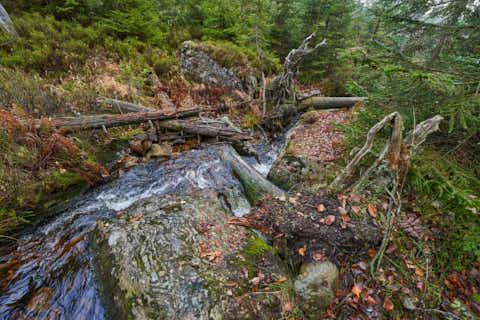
{"x":255,"y":185}
{"x":203,"y":128}
{"x":71,"y":124}
{"x":128,"y":106}
{"x":281,"y":87}
{"x":329,"y":102}
{"x":397,"y":151}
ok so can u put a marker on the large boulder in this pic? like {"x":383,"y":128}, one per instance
{"x":198,"y":60}
{"x":172,"y":257}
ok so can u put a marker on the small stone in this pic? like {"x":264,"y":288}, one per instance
{"x":317,"y":285}
{"x":159,"y":150}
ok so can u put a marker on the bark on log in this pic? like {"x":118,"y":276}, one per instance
{"x":329,"y":102}
{"x":203,"y":128}
{"x":71,"y":124}
{"x":255,"y":185}
{"x":128,"y":106}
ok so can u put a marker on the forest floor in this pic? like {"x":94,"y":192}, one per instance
{"x":408,"y":284}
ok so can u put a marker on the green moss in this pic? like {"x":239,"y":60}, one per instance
{"x":256,"y":247}
{"x":476,"y":297}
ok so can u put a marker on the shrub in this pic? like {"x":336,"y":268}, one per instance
{"x":38,"y":161}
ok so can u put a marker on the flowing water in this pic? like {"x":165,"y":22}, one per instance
{"x":47,"y":273}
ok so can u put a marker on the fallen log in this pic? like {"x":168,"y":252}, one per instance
{"x":254,"y":184}
{"x":329,"y":102}
{"x":204,"y":128}
{"x":71,"y":124}
{"x":127,"y":106}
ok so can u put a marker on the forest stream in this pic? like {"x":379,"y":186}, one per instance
{"x":49,"y":270}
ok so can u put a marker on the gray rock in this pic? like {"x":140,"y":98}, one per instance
{"x":172,"y":257}
{"x":195,"y":60}
{"x":316,"y":285}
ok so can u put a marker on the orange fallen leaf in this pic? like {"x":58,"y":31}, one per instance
{"x":133,"y":220}
{"x":372,"y":210}
{"x":357,"y":289}
{"x":419,"y":272}
{"x":388,"y":305}
{"x":301,"y":251}
{"x":372,"y":253}
{"x":329,"y":220}
{"x":370,"y":300}
{"x":321,"y":208}
{"x":356,"y":209}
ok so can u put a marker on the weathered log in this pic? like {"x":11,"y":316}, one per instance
{"x":128,"y":106}
{"x":255,"y":185}
{"x":71,"y":124}
{"x":204,"y":128}
{"x":308,"y":94}
{"x":329,"y":102}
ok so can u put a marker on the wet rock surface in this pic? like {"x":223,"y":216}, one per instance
{"x":171,"y":257}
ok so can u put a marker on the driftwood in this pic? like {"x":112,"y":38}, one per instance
{"x":71,"y":124}
{"x":254,"y":184}
{"x":281,"y":87}
{"x":397,"y":151}
{"x":127,"y":106}
{"x":329,"y":102}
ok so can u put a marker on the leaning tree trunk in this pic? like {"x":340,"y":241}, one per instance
{"x":281,"y":88}
{"x":255,"y":185}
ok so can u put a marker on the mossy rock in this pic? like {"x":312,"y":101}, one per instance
{"x":171,"y":257}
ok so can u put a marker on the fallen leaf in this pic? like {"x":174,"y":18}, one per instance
{"x":372,"y":210}
{"x":356,"y":209}
{"x":301,"y":251}
{"x":357,"y":289}
{"x":282,"y":198}
{"x":329,"y":220}
{"x":282,"y":280}
{"x":391,"y":249}
{"x":419,"y":272}
{"x":370,"y":300}
{"x":293,"y":201}
{"x":255,"y":281}
{"x":345,"y":218}
{"x":388,"y":305}
{"x":372,"y":253}
{"x":287,"y":307}
{"x":318,"y":256}
{"x":229,"y":292}
{"x":342,"y":210}
{"x":321,"y":208}
{"x":138,"y":217}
